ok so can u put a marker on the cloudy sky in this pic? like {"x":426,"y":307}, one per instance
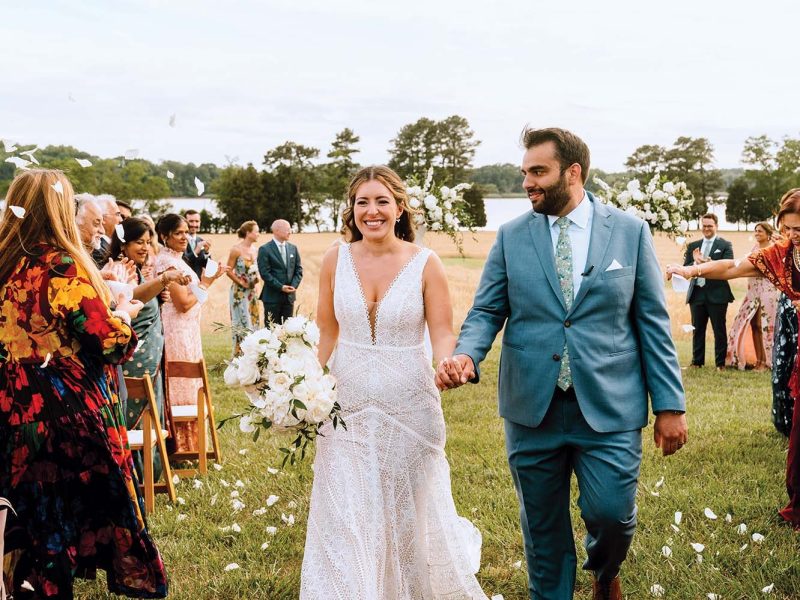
{"x":244,"y":76}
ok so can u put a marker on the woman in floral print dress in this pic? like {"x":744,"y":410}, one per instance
{"x":243,"y":272}
{"x":64,"y":459}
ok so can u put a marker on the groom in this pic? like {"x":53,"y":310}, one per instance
{"x":587,"y":338}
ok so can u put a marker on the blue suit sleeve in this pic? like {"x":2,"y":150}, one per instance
{"x":263,"y":270}
{"x":649,"y":307}
{"x":728,"y":252}
{"x":489,"y":310}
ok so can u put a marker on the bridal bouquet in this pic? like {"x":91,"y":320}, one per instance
{"x":439,"y":208}
{"x":287,"y":387}
{"x":664,"y":205}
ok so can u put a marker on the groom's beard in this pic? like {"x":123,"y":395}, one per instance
{"x":555,"y":197}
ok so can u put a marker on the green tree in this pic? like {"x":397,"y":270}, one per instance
{"x":415,"y":148}
{"x":476,"y":209}
{"x":292,"y":167}
{"x":241,"y":196}
{"x":456,"y":149}
{"x":738,"y":197}
{"x":691,"y":160}
{"x":647,"y":160}
{"x":774,"y":168}
{"x":336,"y":174}
{"x":506,"y":178}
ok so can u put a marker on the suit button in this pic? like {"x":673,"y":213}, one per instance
{"x":567,"y":323}
{"x":556,"y":357}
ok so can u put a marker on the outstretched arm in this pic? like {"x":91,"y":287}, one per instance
{"x":716,"y":269}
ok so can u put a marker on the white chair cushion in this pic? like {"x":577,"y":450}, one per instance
{"x":184,"y":411}
{"x":136,"y":438}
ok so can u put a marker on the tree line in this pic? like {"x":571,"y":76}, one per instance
{"x":295,"y":182}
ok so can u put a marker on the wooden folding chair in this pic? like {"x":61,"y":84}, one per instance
{"x":150,"y":436}
{"x":202,"y":413}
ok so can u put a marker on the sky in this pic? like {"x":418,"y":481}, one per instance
{"x":242,"y":77}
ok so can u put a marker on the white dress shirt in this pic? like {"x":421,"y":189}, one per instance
{"x":579,"y":232}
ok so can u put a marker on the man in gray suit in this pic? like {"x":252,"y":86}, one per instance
{"x":280,"y":268}
{"x":587,"y":338}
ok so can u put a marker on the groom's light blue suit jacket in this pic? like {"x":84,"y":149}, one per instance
{"x":617,"y":330}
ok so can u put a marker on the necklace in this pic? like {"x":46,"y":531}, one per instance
{"x":796,"y":257}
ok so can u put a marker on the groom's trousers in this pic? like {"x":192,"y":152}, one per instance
{"x":606,"y":465}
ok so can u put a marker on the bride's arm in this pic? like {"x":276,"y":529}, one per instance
{"x":326,"y":318}
{"x":438,"y":309}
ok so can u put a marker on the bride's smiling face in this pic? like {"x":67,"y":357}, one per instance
{"x":375,"y":210}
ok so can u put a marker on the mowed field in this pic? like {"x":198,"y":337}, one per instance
{"x":733,"y":465}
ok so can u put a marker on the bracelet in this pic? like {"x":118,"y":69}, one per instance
{"x":121,"y":314}
{"x":698,"y":271}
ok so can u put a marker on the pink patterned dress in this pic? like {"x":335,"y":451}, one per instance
{"x":181,"y":342}
{"x":761,"y":294}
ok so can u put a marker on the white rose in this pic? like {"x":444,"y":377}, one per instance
{"x":672,"y":200}
{"x":631,"y":210}
{"x":295,"y":346}
{"x":448,"y":218}
{"x":448,"y":204}
{"x":669,"y":187}
{"x":431,"y":202}
{"x":684,"y":226}
{"x":667,"y":225}
{"x":419,"y":219}
{"x":246,"y":424}
{"x":294,"y":325}
{"x":320,"y":407}
{"x":231,"y":376}
{"x":663,"y":215}
{"x":637,"y":195}
{"x":311,"y":334}
{"x":624,"y":196}
{"x":413,"y":202}
{"x":658,"y":195}
{"x":436,"y":227}
{"x":300,"y":391}
{"x":633,"y":185}
{"x":279,"y":382}
{"x":291,"y":365}
{"x":248,"y":371}
{"x":445,"y":191}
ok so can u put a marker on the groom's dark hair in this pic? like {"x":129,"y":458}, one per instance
{"x":570,"y":149}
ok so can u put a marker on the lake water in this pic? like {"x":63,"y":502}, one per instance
{"x":498,"y":211}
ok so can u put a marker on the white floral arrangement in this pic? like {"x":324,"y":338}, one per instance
{"x":438,"y":208}
{"x":665,"y":206}
{"x":287,"y":387}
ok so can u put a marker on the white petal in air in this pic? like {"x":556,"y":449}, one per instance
{"x":680,"y":240}
{"x":710,"y":514}
{"x":200,"y":186}
{"x":58,"y":187}
{"x":131,"y":153}
{"x":18,"y":162}
{"x":84,"y":162}
{"x":46,"y":360}
{"x":18,"y":211}
{"x":679,"y":283}
{"x":172,"y":120}
{"x":170,"y":175}
{"x":27,"y":586}
{"x":120,"y":232}
{"x":212,"y":267}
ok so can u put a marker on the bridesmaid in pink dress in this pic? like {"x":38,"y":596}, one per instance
{"x":753,"y":329}
{"x":181,"y":317}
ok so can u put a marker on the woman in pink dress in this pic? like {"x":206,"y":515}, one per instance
{"x":752,"y":332}
{"x":181,"y":317}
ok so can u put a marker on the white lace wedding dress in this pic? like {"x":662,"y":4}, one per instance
{"x":382,"y":524}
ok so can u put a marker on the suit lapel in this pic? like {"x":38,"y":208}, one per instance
{"x":543,"y":242}
{"x":289,"y":258}
{"x":599,"y":239}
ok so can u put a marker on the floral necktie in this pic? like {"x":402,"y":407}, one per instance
{"x":564,"y":270}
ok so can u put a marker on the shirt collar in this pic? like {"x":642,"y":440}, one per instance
{"x":710,"y":241}
{"x":579,"y":215}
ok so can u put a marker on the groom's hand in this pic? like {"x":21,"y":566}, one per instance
{"x":454,"y":372}
{"x":670,"y":432}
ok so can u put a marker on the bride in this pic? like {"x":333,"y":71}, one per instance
{"x":382,"y":524}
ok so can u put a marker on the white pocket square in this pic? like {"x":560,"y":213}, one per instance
{"x":613,"y":266}
{"x":717,"y":251}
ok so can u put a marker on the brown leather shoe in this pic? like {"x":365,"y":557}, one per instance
{"x":607,"y":591}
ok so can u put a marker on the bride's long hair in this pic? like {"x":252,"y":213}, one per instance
{"x":404,"y":228}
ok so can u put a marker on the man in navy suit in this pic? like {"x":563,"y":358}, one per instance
{"x":196,"y":253}
{"x":708,"y":299}
{"x":280,"y":268}
{"x":578,"y":288}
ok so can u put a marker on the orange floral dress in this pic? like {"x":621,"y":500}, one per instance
{"x":64,"y":458}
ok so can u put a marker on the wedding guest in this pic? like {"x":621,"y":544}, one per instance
{"x":779,"y":263}
{"x":147,"y":324}
{"x":148,"y":267}
{"x":64,"y":463}
{"x":750,"y":337}
{"x":280,"y":268}
{"x":243,"y":272}
{"x":196,"y":253}
{"x":89,"y":217}
{"x":125,"y":209}
{"x":708,"y":300}
{"x":181,"y":318}
{"x":112,"y":216}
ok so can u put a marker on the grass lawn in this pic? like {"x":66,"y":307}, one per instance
{"x":734,"y":464}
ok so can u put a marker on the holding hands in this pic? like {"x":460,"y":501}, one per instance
{"x":454,"y":372}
